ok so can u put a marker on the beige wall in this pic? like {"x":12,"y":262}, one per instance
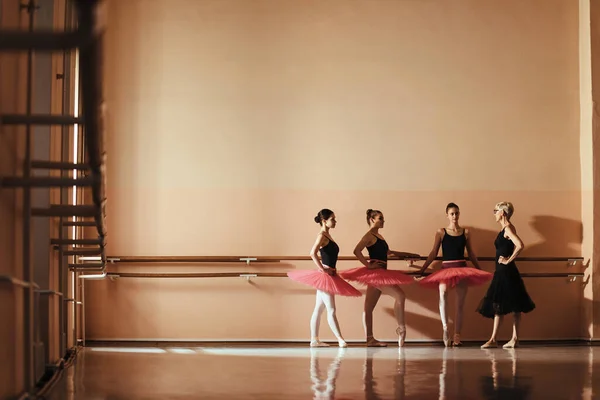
{"x":232,"y":123}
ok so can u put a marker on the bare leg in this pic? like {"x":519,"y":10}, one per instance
{"x":315,"y":322}
{"x":399,"y":299}
{"x":515,"y":337}
{"x":443,"y":312}
{"x":492,"y":342}
{"x":461,"y":294}
{"x":371,"y":299}
{"x":329,"y":300}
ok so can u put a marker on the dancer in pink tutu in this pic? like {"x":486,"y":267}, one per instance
{"x":325,"y":279}
{"x":379,"y":279}
{"x":454,"y":273}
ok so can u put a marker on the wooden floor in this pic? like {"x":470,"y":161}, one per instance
{"x":275,"y":372}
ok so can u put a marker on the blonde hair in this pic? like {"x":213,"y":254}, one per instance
{"x":506,"y":207}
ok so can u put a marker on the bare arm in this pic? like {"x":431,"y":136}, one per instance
{"x":511,"y":232}
{"x":320,"y":242}
{"x":470,"y":251}
{"x":367,"y":240}
{"x":437,"y":242}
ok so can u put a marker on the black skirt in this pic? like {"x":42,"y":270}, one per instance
{"x":506,"y":294}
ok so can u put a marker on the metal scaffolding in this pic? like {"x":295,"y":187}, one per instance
{"x":81,"y":47}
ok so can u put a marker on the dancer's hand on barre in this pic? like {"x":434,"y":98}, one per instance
{"x":404,"y":255}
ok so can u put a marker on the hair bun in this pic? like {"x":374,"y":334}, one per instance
{"x":369,"y":211}
{"x":318,"y":219}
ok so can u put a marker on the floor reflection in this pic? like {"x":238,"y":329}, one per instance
{"x":263,"y":372}
{"x":324,"y":388}
{"x":500,"y":383}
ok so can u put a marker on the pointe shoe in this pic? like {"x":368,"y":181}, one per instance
{"x":489,"y":344}
{"x":446,"y":337}
{"x":342,"y":343}
{"x":318,"y":343}
{"x":372,"y":342}
{"x":401,"y":332}
{"x":511,"y":344}
{"x":456,"y":341}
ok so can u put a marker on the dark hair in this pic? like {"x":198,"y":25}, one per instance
{"x":372,"y":214}
{"x":323,"y":215}
{"x":451,"y":205}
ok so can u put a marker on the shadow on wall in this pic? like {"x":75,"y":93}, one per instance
{"x":561,"y":237}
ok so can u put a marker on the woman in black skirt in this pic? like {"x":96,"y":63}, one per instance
{"x":507,"y":293}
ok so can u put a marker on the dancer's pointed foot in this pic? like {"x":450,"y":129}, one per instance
{"x":456,"y":342}
{"x":401,"y":332}
{"x":446,"y":337}
{"x":489,"y":344}
{"x":372,"y":342}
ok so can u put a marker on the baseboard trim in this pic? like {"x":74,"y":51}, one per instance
{"x":150,"y":342}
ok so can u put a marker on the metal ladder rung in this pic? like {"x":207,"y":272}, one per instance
{"x":79,"y":223}
{"x":57,"y":165}
{"x":14,"y":181}
{"x":82,"y":242}
{"x":66,"y":211}
{"x":47,"y":40}
{"x":39,"y":119}
{"x":83,"y":252}
{"x":86,"y":265}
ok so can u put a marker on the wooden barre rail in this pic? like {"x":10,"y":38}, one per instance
{"x":284,"y":275}
{"x":275,"y":259}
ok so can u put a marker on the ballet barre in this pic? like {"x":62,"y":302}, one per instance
{"x":571,"y":261}
{"x":192,"y":259}
{"x":572,"y":276}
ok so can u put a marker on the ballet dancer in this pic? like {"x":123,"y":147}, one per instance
{"x":325,"y":279}
{"x":455,"y":273}
{"x":378,"y":278}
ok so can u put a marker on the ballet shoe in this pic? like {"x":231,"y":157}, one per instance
{"x":456,"y":341}
{"x":342,"y":343}
{"x":401,"y":332}
{"x":372,"y":342}
{"x":446,"y":337}
{"x":489,"y":344}
{"x":511,"y":344}
{"x":318,"y":343}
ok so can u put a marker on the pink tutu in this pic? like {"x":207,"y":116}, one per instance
{"x":324,"y":282}
{"x":376,"y":276}
{"x":453,"y":272}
